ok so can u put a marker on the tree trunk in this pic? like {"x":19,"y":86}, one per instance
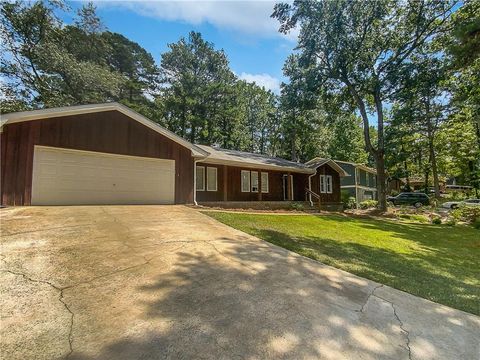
{"x":380,"y":154}
{"x":294,"y":138}
{"x":427,"y":171}
{"x":477,"y":131}
{"x":433,"y":160}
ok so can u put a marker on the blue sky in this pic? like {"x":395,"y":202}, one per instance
{"x":243,"y":29}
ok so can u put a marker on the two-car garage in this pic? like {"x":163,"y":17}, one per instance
{"x":91,"y":155}
{"x":75,"y":177}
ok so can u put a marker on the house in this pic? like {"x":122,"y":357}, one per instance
{"x":361,"y":182}
{"x":109,"y":154}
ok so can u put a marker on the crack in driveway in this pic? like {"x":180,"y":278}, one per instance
{"x":60,"y":290}
{"x":401,"y":325}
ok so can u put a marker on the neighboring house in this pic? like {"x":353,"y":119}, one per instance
{"x":109,"y":154}
{"x":361,"y":182}
{"x":418,"y":183}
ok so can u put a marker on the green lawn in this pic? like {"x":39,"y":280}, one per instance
{"x":435,"y":262}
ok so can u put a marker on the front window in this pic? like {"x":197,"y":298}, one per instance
{"x":323,"y":185}
{"x":264,"y":182}
{"x":254,"y":180}
{"x":211,"y":179}
{"x":200,"y":178}
{"x":245,"y":180}
{"x":328,"y":179}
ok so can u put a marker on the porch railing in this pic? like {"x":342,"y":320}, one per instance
{"x":313,"y":194}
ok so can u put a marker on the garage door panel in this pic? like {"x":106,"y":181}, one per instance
{"x":72,"y":177}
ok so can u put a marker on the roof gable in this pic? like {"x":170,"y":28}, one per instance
{"x":315,"y":163}
{"x":6,"y":119}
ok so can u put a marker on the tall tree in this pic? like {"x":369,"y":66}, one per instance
{"x":39,"y":66}
{"x":363,"y":47}
{"x":194,"y":75}
{"x":422,"y":105}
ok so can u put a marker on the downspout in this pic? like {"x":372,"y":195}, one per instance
{"x":195,"y":181}
{"x":356,"y":188}
{"x":310,"y":187}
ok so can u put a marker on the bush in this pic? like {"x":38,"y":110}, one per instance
{"x":437,"y":220}
{"x":468,"y":214}
{"x":368,"y":204}
{"x":414,"y":217}
{"x":451,"y":222}
{"x":297,"y":206}
{"x":476,"y":223}
{"x":348,"y":201}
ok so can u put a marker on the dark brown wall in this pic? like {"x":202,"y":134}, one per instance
{"x":109,"y":132}
{"x":335,"y":196}
{"x":234,"y":191}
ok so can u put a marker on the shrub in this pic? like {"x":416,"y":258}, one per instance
{"x":451,"y":222}
{"x":414,"y":217}
{"x":437,"y":220}
{"x":297,"y":206}
{"x":348,"y":201}
{"x":468,"y":214}
{"x":368,"y":204}
{"x":476,"y":223}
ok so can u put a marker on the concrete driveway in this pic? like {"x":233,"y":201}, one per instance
{"x":154,"y":282}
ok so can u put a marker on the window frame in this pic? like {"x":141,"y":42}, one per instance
{"x":208,"y":177}
{"x":252,"y":181}
{"x":241,"y":181}
{"x":264,"y":182}
{"x":329,"y":184}
{"x":203,"y":178}
{"x":322,"y":184}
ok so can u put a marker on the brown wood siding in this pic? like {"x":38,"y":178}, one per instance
{"x":234,"y":190}
{"x":334,"y":197}
{"x":108,"y":132}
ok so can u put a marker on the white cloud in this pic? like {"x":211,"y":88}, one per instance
{"x":245,"y":16}
{"x":264,"y":80}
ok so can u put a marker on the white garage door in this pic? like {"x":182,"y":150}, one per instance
{"x":73,"y":177}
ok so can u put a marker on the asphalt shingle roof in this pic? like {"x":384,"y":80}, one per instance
{"x":257,"y":160}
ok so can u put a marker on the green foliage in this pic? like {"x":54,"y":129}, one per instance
{"x":465,"y":213}
{"x":349,"y":202}
{"x":359,"y":51}
{"x":297,"y":206}
{"x":368,"y":204}
{"x":437,"y":220}
{"x":476,"y":223}
{"x":204,"y":101}
{"x":450,"y":221}
{"x":413,"y":217}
